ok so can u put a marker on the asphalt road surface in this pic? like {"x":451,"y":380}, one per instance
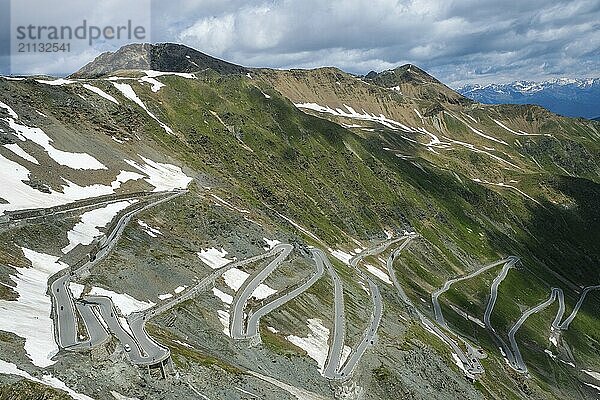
{"x":339,"y":322}
{"x":241,"y":298}
{"x":469,"y":359}
{"x":369,"y":335}
{"x":490,"y":307}
{"x":556,"y":294}
{"x":517,"y":358}
{"x":254,"y":318}
{"x":437,"y":309}
{"x":142,"y":351}
{"x":66,"y":310}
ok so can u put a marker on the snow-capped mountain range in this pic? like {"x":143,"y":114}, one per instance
{"x":565,"y":96}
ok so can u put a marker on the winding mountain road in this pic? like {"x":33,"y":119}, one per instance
{"x":511,"y":350}
{"x":517,"y":358}
{"x":437,"y":309}
{"x":254,"y":318}
{"x":556,"y":294}
{"x":490,"y":307}
{"x":345,"y":370}
{"x":249,"y":286}
{"x":336,"y":348}
{"x":470,"y":358}
{"x":565,"y":324}
{"x":67,"y":312}
{"x":143,"y":351}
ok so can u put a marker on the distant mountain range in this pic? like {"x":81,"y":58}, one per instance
{"x":568,"y":97}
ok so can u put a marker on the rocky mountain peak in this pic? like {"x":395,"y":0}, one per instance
{"x":167,"y":57}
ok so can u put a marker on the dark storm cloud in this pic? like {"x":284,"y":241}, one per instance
{"x":458,"y":41}
{"x":469,"y":40}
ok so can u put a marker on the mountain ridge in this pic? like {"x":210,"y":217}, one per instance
{"x":164,"y":57}
{"x":316,"y":160}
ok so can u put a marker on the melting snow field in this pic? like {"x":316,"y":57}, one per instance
{"x":475,"y":131}
{"x":38,"y":136}
{"x":100,"y":93}
{"x":315,"y":344}
{"x":220,"y":201}
{"x":378,"y":273}
{"x":504,"y":185}
{"x":225,"y":298}
{"x":119,"y":396}
{"x":157,"y":85}
{"x":125,"y":303}
{"x":351,"y":113}
{"x":48,"y":380}
{"x":16,"y":149}
{"x":29,"y":316}
{"x":592,"y":386}
{"x":223,"y":314}
{"x":235,"y":278}
{"x":214,"y":258}
{"x":341,"y":255}
{"x":152,"y":232}
{"x":86,"y":230}
{"x":128,"y":92}
{"x":270,"y":243}
{"x":593,"y":374}
{"x":177,"y":290}
{"x":224,"y":318}
{"x":22,"y":196}
{"x":76,"y":289}
{"x":519,"y":133}
{"x":56,"y":82}
{"x":162,"y":176}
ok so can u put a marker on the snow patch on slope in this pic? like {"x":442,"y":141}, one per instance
{"x":129,"y":93}
{"x":150,"y":231}
{"x":315,"y":344}
{"x":38,"y":136}
{"x":76,"y":289}
{"x":378,"y":273}
{"x":22,"y":196}
{"x":351,"y":113}
{"x":224,"y":319}
{"x":341,"y":255}
{"x":593,"y":374}
{"x":235,"y":278}
{"x":16,"y":149}
{"x":125,"y":303}
{"x":214,"y":258}
{"x":161,"y":175}
{"x":271,"y":243}
{"x":8,"y":368}
{"x":225,"y":298}
{"x":157,"y":85}
{"x":100,"y":93}
{"x":29,"y":316}
{"x":56,"y":82}
{"x":86,"y":229}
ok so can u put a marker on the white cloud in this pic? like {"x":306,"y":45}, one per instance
{"x":458,"y":41}
{"x":213,"y":35}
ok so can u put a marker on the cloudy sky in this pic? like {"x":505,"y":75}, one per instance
{"x":458,"y":41}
